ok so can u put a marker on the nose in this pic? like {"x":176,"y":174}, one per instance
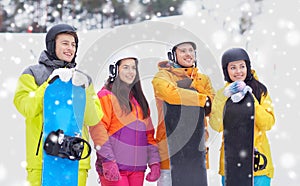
{"x":239,"y":70}
{"x":190,"y":53}
{"x":132,"y":70}
{"x":71,"y":47}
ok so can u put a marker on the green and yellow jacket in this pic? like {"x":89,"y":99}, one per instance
{"x":28,"y":100}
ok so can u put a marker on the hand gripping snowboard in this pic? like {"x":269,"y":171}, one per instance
{"x":186,"y":143}
{"x":64,"y":106}
{"x":238,"y":124}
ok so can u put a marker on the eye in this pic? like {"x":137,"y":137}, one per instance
{"x":181,"y":50}
{"x":125,"y":67}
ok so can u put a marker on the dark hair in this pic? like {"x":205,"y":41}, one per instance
{"x":258,"y":89}
{"x":51,"y":37}
{"x":123,"y":92}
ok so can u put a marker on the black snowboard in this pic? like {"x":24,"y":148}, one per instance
{"x":186,"y":143}
{"x":238,"y":124}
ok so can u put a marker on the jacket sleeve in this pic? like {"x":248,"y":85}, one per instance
{"x":203,"y":85}
{"x":216,"y":115}
{"x":99,"y":133}
{"x":166,"y":89}
{"x":93,"y":111}
{"x":264,"y":113}
{"x":153,"y":155}
{"x":28,"y":97}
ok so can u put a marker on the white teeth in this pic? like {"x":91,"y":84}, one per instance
{"x":68,"y":54}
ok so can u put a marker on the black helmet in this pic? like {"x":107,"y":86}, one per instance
{"x":235,"y":54}
{"x":53,"y":32}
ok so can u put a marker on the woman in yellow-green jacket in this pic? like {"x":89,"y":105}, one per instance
{"x":57,"y":60}
{"x":237,"y":66}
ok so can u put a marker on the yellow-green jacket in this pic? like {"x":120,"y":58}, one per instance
{"x":28,"y":100}
{"x":264,"y":119}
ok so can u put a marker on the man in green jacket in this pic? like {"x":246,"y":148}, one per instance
{"x":57,"y":60}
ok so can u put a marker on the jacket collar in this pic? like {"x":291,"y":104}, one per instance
{"x":167,"y":65}
{"x":44,"y":59}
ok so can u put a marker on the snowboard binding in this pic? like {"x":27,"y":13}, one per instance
{"x":257,"y":158}
{"x":64,"y":146}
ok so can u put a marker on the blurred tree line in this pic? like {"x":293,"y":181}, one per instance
{"x":37,"y":15}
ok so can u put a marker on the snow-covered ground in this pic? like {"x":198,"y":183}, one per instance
{"x":273,"y":44}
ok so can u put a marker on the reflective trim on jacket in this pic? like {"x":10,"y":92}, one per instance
{"x":264,"y":120}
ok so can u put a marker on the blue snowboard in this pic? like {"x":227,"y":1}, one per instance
{"x":64,"y":106}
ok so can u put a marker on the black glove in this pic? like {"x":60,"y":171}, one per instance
{"x":207,"y":106}
{"x":184,"y":83}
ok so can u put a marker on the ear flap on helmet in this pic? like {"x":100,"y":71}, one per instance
{"x":113,"y":70}
{"x":171,"y":56}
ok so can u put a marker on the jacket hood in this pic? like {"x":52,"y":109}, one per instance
{"x":164,"y":65}
{"x":168,"y":65}
{"x":254,"y":74}
{"x":44,"y":59}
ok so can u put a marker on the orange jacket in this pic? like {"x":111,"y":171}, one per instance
{"x":127,"y":139}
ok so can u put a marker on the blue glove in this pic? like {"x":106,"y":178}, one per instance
{"x":237,"y":91}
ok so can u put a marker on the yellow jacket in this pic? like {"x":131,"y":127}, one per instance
{"x":264,"y":119}
{"x":166,"y":89}
{"x":28,"y":100}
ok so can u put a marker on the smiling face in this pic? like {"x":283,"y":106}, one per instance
{"x":237,"y":70}
{"x":127,"y":70}
{"x":185,"y":55}
{"x":65,"y":47}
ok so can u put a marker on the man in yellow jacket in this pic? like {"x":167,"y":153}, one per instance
{"x":178,"y":82}
{"x":237,"y":67}
{"x":57,"y":60}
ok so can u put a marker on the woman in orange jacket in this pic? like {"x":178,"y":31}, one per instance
{"x":124,"y":139}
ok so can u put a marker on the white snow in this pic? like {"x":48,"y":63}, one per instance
{"x":273,"y":43}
